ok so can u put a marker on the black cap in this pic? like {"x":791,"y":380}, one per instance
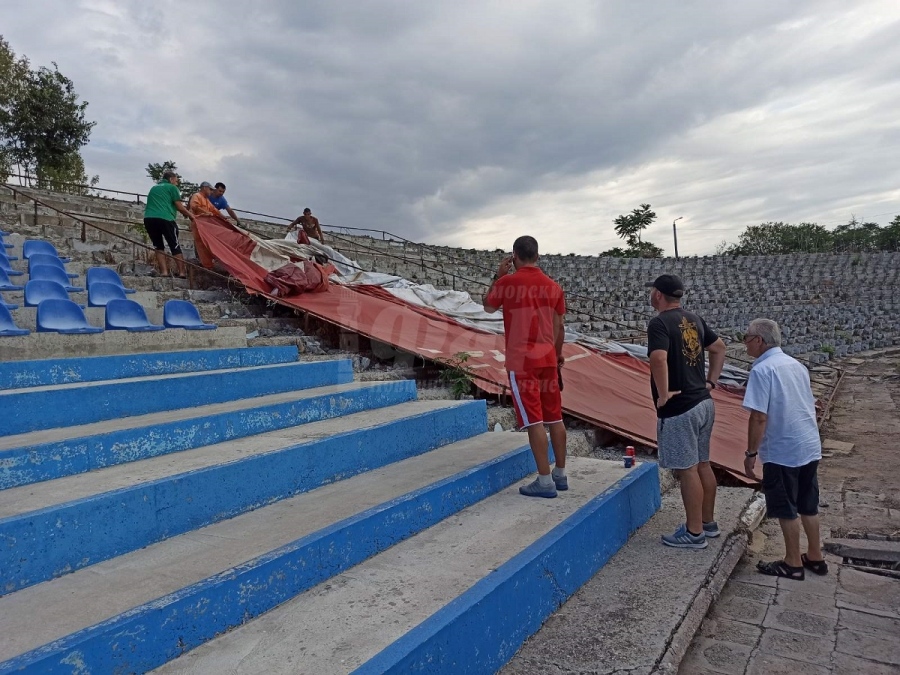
{"x":668,"y":284}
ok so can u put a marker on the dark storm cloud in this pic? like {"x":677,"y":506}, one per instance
{"x":459,"y":121}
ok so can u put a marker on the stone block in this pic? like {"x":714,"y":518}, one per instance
{"x":881,"y":551}
{"x":871,"y":624}
{"x":861,"y":591}
{"x":735,"y":632}
{"x":794,"y":621}
{"x":795,"y":646}
{"x":769,"y":664}
{"x":717,"y":657}
{"x":844,"y":663}
{"x":884,"y":650}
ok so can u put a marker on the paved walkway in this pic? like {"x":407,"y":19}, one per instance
{"x":848,"y":622}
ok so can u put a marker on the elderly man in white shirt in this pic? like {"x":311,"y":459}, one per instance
{"x":783,"y":432}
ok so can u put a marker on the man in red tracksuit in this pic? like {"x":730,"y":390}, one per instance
{"x":534,"y":308}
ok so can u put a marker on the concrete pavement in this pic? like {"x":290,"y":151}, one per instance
{"x":844,"y":623}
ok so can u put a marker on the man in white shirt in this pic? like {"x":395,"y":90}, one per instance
{"x":783,"y":432}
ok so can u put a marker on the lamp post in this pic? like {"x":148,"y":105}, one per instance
{"x":675,"y":235}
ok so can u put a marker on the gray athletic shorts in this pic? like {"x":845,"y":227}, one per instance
{"x":683,"y":440}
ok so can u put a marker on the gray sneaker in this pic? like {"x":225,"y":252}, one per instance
{"x":711,"y":529}
{"x":681,"y":538}
{"x":561,"y":482}
{"x":535,"y":489}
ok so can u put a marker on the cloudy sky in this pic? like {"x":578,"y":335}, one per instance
{"x":470,"y":123}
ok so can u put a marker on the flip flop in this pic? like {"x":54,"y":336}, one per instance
{"x":779,"y":568}
{"x":819,"y":567}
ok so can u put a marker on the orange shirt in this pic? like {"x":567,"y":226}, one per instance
{"x":200,"y":205}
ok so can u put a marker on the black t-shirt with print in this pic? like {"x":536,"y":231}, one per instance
{"x":684,"y":336}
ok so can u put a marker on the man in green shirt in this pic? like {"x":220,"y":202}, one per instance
{"x":163,"y":201}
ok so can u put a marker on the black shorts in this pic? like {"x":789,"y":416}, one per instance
{"x":791,"y":490}
{"x":159,"y":229}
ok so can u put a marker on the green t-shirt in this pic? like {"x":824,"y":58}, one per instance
{"x":161,"y":201}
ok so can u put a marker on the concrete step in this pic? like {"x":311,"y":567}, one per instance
{"x":21,"y":374}
{"x":458,"y":597}
{"x":59,"y":526}
{"x":65,"y":405}
{"x":269,"y":549}
{"x":46,"y":455}
{"x":113,"y":342}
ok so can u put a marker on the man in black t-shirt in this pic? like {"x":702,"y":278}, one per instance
{"x":676,"y":340}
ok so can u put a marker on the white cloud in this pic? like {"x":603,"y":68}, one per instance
{"x":471,"y":122}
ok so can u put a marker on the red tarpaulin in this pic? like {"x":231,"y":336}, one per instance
{"x":609,"y":390}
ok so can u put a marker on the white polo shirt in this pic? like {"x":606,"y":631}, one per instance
{"x":779,"y":387}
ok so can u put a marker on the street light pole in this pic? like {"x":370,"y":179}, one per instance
{"x":675,"y":235}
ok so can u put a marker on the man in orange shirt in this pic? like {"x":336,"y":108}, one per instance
{"x":534,"y":309}
{"x":199,"y":205}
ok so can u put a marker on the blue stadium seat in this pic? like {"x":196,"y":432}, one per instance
{"x":38,"y":290}
{"x":6,"y":284}
{"x":182,"y":314}
{"x":3,"y":252}
{"x":51,"y":260}
{"x":106,"y":276}
{"x":99,"y":294}
{"x":8,"y":327}
{"x":62,"y":316}
{"x":6,"y":267}
{"x":52,"y":274}
{"x":33,"y":246}
{"x":128,"y":315}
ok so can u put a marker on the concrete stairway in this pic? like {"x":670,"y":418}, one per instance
{"x":237,"y":511}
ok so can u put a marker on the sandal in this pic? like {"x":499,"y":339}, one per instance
{"x":779,"y":568}
{"x":819,"y":567}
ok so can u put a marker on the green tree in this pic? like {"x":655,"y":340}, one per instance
{"x":42,"y":122}
{"x":762,"y":239}
{"x":889,"y":237}
{"x":617,"y":252}
{"x":156,"y":171}
{"x":857,"y":237}
{"x":13,"y":77}
{"x":630,"y":226}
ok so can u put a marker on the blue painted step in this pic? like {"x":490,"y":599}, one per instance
{"x":479,"y":631}
{"x":78,"y":450}
{"x":19,"y":374}
{"x":25,"y":410}
{"x":153,"y":633}
{"x":55,"y":540}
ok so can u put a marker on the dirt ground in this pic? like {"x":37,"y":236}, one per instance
{"x":860,"y":488}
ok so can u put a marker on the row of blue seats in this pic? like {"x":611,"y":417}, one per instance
{"x":56,"y":315}
{"x":50,"y":279}
{"x":48,"y":288}
{"x":99,"y":294}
